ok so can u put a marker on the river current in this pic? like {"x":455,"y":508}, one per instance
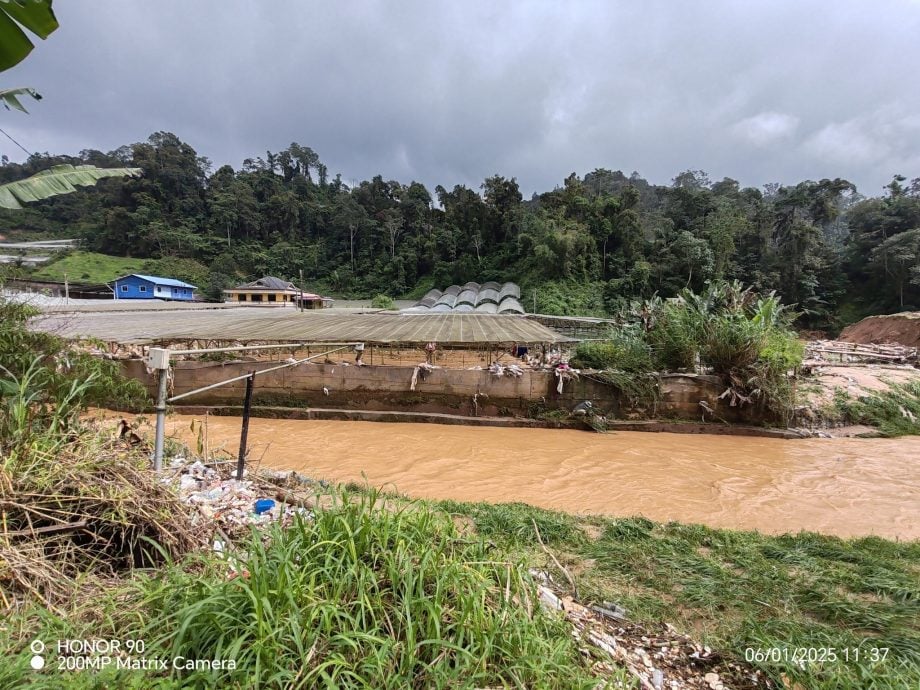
{"x":848,"y":487}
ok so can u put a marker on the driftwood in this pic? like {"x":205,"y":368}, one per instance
{"x":295,"y":501}
{"x":815,"y":364}
{"x":862,"y":353}
{"x":49,"y":529}
{"x":568,"y":575}
{"x":839,"y":352}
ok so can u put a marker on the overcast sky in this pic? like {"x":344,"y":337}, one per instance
{"x":452,"y":92}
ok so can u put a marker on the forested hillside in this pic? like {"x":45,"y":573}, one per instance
{"x":587,"y":246}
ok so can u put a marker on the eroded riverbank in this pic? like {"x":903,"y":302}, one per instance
{"x":846,"y":487}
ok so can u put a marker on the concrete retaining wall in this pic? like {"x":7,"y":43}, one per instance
{"x":453,"y":391}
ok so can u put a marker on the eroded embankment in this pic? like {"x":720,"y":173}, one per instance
{"x":846,"y":487}
{"x":902,"y":328}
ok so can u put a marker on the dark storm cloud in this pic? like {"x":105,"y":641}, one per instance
{"x":452,"y":92}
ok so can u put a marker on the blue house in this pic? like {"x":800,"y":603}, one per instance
{"x":137,"y":286}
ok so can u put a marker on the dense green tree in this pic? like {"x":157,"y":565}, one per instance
{"x":590,"y":244}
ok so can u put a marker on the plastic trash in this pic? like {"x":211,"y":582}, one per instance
{"x":263,"y":505}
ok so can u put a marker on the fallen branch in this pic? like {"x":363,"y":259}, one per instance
{"x":559,"y":565}
{"x":46,"y":530}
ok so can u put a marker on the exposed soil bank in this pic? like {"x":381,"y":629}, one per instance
{"x":847,"y":487}
{"x":902,"y":328}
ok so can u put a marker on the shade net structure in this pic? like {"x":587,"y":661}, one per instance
{"x":488,"y":298}
{"x":252,"y":324}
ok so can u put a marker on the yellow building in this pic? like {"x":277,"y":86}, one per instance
{"x":267,"y":290}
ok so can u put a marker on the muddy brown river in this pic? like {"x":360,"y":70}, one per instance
{"x":847,"y":487}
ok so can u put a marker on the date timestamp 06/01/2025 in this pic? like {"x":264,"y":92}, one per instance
{"x":816,"y":655}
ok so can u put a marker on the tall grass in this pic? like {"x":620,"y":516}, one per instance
{"x":28,"y":417}
{"x":675,"y":337}
{"x":363,"y":595}
{"x":59,"y":365}
{"x":731,"y":342}
{"x":624,"y":349}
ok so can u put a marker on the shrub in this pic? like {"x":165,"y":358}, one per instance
{"x":625,"y":350}
{"x":782,"y":350}
{"x":383,"y":302}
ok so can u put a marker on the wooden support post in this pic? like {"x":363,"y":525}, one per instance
{"x":244,"y":434}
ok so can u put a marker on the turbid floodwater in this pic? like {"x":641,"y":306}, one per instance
{"x":848,"y":487}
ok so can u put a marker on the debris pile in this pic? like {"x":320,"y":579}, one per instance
{"x":499,"y":369}
{"x":902,"y":328}
{"x":84,"y":505}
{"x":548,"y":359}
{"x":422,"y":371}
{"x":563,"y":372}
{"x":232,"y":503}
{"x":837,"y":352}
{"x":658,"y":656}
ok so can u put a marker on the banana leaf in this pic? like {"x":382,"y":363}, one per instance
{"x":10,"y":97}
{"x":60,"y":179}
{"x":35,"y":16}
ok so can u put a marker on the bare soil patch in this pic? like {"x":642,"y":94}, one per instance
{"x":902,"y":328}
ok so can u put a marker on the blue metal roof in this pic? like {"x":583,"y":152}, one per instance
{"x":156,"y":280}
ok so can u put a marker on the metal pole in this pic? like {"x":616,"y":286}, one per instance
{"x":244,"y":434}
{"x":283,"y":346}
{"x":161,"y":420}
{"x":258,"y":373}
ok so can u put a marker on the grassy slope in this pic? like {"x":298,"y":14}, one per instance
{"x":89,"y":267}
{"x":895,"y":412}
{"x":362,"y":595}
{"x":349,"y":600}
{"x":741,"y":590}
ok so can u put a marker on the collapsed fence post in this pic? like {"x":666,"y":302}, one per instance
{"x":244,"y":434}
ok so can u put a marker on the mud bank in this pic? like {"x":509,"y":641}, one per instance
{"x":650,"y":425}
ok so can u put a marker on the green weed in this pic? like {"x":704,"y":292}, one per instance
{"x":895,"y":412}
